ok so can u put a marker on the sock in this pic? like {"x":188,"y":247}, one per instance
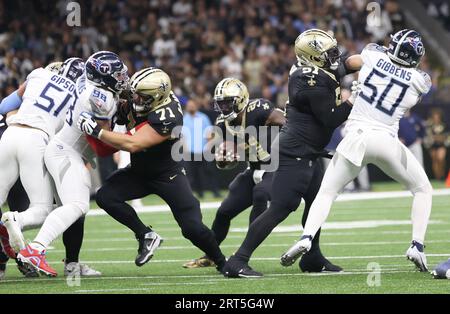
{"x":73,"y":239}
{"x":220,"y":227}
{"x":420,"y":214}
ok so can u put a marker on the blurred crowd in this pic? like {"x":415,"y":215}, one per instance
{"x":197,"y":42}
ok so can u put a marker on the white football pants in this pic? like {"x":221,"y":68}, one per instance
{"x":72,"y":183}
{"x":22,"y":155}
{"x":393,"y":158}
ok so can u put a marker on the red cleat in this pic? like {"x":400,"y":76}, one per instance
{"x":36,"y":259}
{"x":4,"y":242}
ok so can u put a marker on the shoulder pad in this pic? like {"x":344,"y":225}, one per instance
{"x":102,"y":103}
{"x":425,"y":86}
{"x":38,"y":72}
{"x":375,"y":47}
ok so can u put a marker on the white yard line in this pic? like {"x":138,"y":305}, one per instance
{"x":341,"y":198}
{"x":186,"y":247}
{"x":214,"y":277}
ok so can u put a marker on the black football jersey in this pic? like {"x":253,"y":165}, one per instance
{"x":3,"y":125}
{"x":157,"y":160}
{"x":313,"y":111}
{"x":257,"y":141}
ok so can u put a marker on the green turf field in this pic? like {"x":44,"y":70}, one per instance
{"x":380,"y":239}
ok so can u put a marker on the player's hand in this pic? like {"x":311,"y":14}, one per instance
{"x":355,"y":89}
{"x":87,"y":124}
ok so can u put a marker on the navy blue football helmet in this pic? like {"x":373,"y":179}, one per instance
{"x":406,"y":48}
{"x":72,"y":68}
{"x":104,"y":68}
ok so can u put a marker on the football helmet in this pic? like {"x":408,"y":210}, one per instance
{"x":107,"y":70}
{"x":406,"y":48}
{"x":54,"y":66}
{"x":72,"y":68}
{"x":230,"y":98}
{"x":150,"y":87}
{"x":318,"y":48}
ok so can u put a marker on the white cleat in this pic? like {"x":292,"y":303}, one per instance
{"x":11,"y":223}
{"x":418,"y":258}
{"x":296,"y":251}
{"x":80,"y":270}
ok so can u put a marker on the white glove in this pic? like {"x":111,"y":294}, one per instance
{"x":258,"y":175}
{"x":87,"y":124}
{"x":355,"y":89}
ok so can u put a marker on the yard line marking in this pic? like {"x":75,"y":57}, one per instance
{"x":185,"y":247}
{"x":215,"y":277}
{"x":355,"y":224}
{"x":341,"y":198}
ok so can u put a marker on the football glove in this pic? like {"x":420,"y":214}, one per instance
{"x":87,"y":124}
{"x":355,"y":89}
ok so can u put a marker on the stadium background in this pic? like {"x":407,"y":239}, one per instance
{"x":200,"y":42}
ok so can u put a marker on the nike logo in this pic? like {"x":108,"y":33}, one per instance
{"x":173,"y":177}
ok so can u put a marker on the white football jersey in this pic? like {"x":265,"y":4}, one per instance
{"x":388,"y":90}
{"x":45,"y":101}
{"x":101,"y":103}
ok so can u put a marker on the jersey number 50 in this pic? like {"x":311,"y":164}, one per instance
{"x":379,"y":103}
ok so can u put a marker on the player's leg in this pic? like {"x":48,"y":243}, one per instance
{"x":73,"y":240}
{"x":177,"y":193}
{"x":72,"y":182}
{"x":122,"y":186}
{"x":338,"y":174}
{"x":35,"y":179}
{"x":289,"y":183}
{"x":8,"y":163}
{"x":238,"y":199}
{"x":400,"y":164}
{"x":261,"y":196}
{"x":314,"y":261}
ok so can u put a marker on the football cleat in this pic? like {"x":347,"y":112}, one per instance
{"x":315,"y":262}
{"x":74,"y":269}
{"x":442,"y":271}
{"x":234,"y":268}
{"x":147,"y":247}
{"x":27,"y":270}
{"x":416,"y":255}
{"x":37,"y":260}
{"x":203,"y":261}
{"x":4,"y":242}
{"x":296,"y":251}
{"x":16,"y":239}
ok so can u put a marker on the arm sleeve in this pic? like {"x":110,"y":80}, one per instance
{"x":323,"y":106}
{"x":10,"y":103}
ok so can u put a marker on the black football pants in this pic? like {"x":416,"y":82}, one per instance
{"x":173,"y":187}
{"x":72,"y":237}
{"x":295,"y":179}
{"x":243,"y":193}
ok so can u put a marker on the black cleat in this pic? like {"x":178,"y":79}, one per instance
{"x":315,"y":262}
{"x":147,"y":247}
{"x":27,"y":270}
{"x":235,"y":268}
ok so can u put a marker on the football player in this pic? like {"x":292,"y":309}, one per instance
{"x":154,"y":119}
{"x":313,"y":112}
{"x":19,"y":201}
{"x":391,"y":84}
{"x":252,"y":186}
{"x":96,"y":91}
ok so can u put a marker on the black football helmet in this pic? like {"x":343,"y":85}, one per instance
{"x":104,"y":68}
{"x":72,"y":68}
{"x":406,"y":48}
